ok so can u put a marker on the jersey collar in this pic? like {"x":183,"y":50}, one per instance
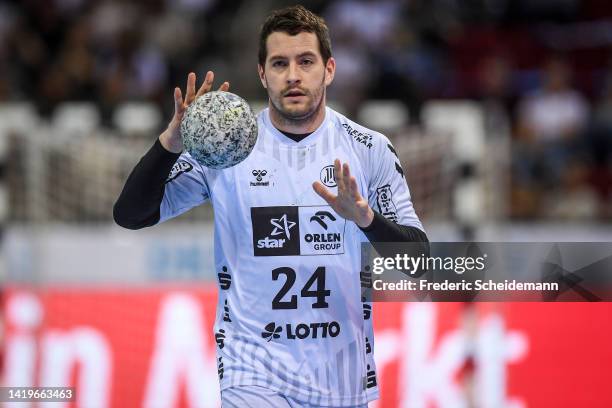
{"x":308,"y":140}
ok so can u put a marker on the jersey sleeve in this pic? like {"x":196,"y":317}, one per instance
{"x":185,"y":188}
{"x":388,"y":191}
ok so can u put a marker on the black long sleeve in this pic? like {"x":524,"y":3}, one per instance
{"x":138,"y":204}
{"x":383,"y":230}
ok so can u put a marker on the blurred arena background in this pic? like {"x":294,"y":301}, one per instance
{"x":501,"y":113}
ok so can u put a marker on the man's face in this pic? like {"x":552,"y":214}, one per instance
{"x":295,"y":75}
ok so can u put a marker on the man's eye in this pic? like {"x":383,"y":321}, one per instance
{"x":279,"y":64}
{"x":307,"y":62}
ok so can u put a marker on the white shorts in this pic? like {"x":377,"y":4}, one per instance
{"x":253,"y":396}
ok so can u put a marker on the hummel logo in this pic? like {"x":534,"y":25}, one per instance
{"x":320,"y":217}
{"x":259,"y":175}
{"x":282,"y":225}
{"x":272,"y":331}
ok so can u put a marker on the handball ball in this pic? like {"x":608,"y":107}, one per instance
{"x":219,"y":129}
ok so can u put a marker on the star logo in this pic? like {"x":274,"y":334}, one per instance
{"x":282,"y":225}
{"x":276,"y":231}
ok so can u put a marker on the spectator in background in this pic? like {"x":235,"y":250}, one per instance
{"x":368,"y":21}
{"x":405,"y":70}
{"x":600,"y":148}
{"x":547,"y":159}
{"x":361,"y":30}
{"x":70,"y":75}
{"x":495,"y":93}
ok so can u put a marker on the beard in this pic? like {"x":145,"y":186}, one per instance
{"x":298,"y":114}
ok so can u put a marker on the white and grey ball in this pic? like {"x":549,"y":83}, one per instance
{"x":219,"y":129}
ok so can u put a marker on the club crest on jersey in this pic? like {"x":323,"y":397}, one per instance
{"x":328,"y":176}
{"x":179,"y":168}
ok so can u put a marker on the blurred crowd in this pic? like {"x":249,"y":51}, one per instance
{"x":542,"y":70}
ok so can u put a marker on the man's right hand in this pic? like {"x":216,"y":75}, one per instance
{"x":171,"y":138}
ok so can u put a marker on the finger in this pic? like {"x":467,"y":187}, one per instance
{"x":354,"y":189}
{"x":207,"y":84}
{"x":338,"y":175}
{"x":322,"y":191}
{"x":224,"y":87}
{"x":190,"y":91}
{"x":178,"y":101}
{"x":346,"y":174}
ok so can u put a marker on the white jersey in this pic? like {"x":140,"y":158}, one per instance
{"x":290,"y":315}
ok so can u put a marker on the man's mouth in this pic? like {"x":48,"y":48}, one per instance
{"x":294,"y":93}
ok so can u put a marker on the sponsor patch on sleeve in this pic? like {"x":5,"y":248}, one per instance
{"x":386,"y":206}
{"x":179,"y":168}
{"x":365,"y":139}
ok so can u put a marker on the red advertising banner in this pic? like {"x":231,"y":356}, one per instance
{"x":155,"y":348}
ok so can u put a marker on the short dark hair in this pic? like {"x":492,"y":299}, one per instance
{"x":294,"y":20}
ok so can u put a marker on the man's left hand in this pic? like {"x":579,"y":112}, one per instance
{"x":349,"y":203}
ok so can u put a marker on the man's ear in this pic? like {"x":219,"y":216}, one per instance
{"x":262,"y":75}
{"x":330,"y":71}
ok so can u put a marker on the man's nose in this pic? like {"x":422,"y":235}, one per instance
{"x":293,"y":76}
